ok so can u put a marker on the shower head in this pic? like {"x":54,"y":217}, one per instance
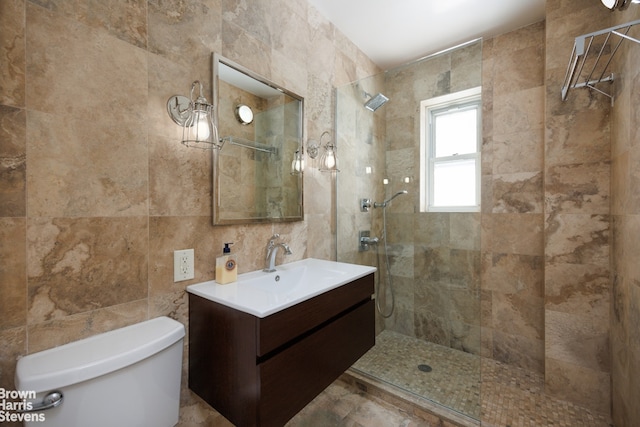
{"x":386,"y":202}
{"x":376,"y":102}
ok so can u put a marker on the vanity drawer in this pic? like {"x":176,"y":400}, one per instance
{"x":280,"y":328}
{"x":293,"y":377}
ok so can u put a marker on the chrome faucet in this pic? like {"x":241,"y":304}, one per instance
{"x":272,"y":249}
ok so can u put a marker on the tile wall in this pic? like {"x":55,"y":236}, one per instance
{"x":576,"y":218}
{"x":625,"y":211}
{"x":512,"y":198}
{"x":96,"y":192}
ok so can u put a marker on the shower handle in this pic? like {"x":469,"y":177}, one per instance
{"x":366,"y":240}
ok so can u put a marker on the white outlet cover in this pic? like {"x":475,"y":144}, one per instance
{"x":183,"y":265}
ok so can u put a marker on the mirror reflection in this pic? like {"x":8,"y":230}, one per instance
{"x":261,"y":127}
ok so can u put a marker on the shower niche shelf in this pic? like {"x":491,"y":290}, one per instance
{"x":591,"y":57}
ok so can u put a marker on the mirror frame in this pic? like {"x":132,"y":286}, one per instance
{"x":217,"y":60}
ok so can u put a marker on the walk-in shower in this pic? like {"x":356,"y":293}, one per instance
{"x":428,"y":278}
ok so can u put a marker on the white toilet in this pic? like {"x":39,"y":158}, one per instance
{"x":127,"y":377}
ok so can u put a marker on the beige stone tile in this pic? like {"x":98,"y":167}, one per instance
{"x":84,"y":168}
{"x":578,"y":137}
{"x":13,"y":304}
{"x":519,"y":314}
{"x":621,"y":188}
{"x":530,"y":36}
{"x":577,"y":384}
{"x":517,"y":351}
{"x":518,"y":193}
{"x":517,"y":152}
{"x":466,"y":69}
{"x":12,"y":50}
{"x":290,"y":32}
{"x":92,"y":71}
{"x":577,"y":239}
{"x":127,"y":21}
{"x":13,"y":124}
{"x":633,"y":198}
{"x":464,"y":232}
{"x":578,"y":188}
{"x":577,"y":339}
{"x":180,"y":179}
{"x":14,"y":345}
{"x":77,"y":265}
{"x":525,"y":68}
{"x":186,"y":32}
{"x":518,"y":233}
{"x":174,"y":305}
{"x":518,"y":111}
{"x":63,"y":330}
{"x":512,"y":273}
{"x":245,"y":49}
{"x":578,"y":289}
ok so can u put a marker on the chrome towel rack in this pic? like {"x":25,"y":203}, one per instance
{"x":591,"y":56}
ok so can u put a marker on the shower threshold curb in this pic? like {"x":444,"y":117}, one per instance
{"x":423,"y":408}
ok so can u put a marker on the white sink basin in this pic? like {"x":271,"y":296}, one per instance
{"x":262,"y":294}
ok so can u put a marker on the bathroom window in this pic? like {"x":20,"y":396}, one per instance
{"x":450,"y":152}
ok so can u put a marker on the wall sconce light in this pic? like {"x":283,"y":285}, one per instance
{"x":328,"y":160}
{"x":618,"y":4}
{"x":196,"y":119}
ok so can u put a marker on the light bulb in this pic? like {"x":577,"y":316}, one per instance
{"x":330,"y":160}
{"x":202,"y":131}
{"x":297,"y":165}
{"x":611,"y":4}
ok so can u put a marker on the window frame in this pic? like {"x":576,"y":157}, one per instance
{"x":462,"y":100}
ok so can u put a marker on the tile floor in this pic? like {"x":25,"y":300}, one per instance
{"x":498,"y":394}
{"x":342,"y":405}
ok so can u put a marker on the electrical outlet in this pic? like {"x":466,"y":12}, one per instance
{"x":183,"y":268}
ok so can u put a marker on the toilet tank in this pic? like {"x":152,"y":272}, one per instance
{"x":125,"y":377}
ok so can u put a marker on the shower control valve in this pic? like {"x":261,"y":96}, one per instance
{"x":366,"y":240}
{"x":365,"y":205}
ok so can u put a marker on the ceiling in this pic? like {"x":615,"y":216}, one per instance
{"x":394,"y":32}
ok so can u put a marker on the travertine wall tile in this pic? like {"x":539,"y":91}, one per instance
{"x":13,"y":126}
{"x":577,"y":239}
{"x":13,"y":278}
{"x":578,"y":384}
{"x":14,"y":345}
{"x":126,"y":21}
{"x":577,"y":219}
{"x":578,"y":339}
{"x":79,"y":264}
{"x":625,"y":194}
{"x":12,"y":50}
{"x":55,"y":332}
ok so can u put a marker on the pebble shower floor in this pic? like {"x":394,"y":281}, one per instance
{"x":499,"y":395}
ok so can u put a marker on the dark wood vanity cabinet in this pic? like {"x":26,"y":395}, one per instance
{"x":262,"y":371}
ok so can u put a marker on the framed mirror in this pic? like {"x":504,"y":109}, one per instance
{"x":254,"y":179}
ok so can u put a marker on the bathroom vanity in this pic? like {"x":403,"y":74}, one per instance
{"x":258,"y":365}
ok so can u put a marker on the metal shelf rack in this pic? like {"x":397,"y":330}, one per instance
{"x":591,"y":56}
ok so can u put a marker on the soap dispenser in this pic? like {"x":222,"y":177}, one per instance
{"x":226,"y":266}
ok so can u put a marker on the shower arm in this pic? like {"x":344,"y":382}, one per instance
{"x":386,"y":202}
